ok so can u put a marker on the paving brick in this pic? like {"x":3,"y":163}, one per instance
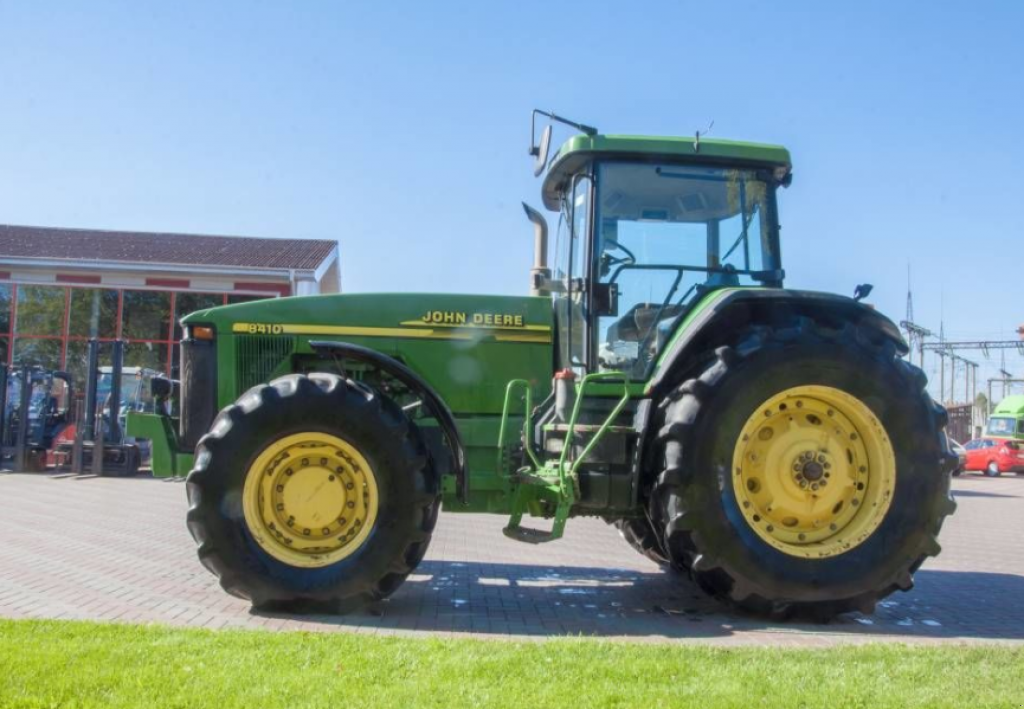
{"x":110,"y":549}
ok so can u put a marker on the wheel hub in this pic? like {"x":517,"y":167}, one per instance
{"x":814,"y":471}
{"x":310,"y":499}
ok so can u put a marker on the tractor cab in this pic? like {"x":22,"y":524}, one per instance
{"x":647,"y":226}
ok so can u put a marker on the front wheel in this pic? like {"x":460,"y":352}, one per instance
{"x":805,"y":472}
{"x":992,"y":470}
{"x":312,"y":493}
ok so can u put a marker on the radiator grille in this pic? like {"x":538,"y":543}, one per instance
{"x":198,"y":390}
{"x":258,"y":356}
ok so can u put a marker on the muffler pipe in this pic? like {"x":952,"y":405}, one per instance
{"x":540,"y":274}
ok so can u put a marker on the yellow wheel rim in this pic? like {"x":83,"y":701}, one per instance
{"x":310,"y":499}
{"x":814,"y":472}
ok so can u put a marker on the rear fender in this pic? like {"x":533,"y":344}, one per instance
{"x":730,"y":312}
{"x":727,"y":313}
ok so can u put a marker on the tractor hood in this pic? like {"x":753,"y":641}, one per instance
{"x":416,"y":316}
{"x":467,"y":347}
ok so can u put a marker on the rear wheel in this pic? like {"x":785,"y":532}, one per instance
{"x":805,"y":472}
{"x":992,"y":469}
{"x":312,"y":493}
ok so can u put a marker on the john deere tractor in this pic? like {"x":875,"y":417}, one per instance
{"x":770,"y":443}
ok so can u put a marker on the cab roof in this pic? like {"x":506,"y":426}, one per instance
{"x":707,"y":151}
{"x":1012,"y":405}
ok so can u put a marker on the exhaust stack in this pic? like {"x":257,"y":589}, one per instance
{"x":540,"y":274}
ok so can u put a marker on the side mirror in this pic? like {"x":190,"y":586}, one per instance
{"x":160,"y":387}
{"x":541,"y":151}
{"x":606,"y":299}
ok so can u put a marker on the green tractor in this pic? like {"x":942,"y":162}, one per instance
{"x":772,"y":444}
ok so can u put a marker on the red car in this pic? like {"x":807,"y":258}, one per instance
{"x":994,"y":456}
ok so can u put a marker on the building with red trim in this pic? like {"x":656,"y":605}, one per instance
{"x":61,"y":287}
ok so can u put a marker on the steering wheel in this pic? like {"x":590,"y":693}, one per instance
{"x":608,"y":260}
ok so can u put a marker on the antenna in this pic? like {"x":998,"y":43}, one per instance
{"x":910,"y":297}
{"x":696,"y":138}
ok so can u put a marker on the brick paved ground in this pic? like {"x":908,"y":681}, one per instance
{"x":110,"y":549}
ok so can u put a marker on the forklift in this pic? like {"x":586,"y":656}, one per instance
{"x":36,"y":410}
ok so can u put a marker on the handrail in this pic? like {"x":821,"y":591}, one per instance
{"x":512,"y":385}
{"x":587,"y":379}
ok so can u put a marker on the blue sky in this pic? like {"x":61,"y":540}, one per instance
{"x":400,"y":129}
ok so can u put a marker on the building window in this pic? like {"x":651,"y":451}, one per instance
{"x":93,"y":313}
{"x":38,"y":351}
{"x":39,"y":317}
{"x":50,"y":326}
{"x":5,"y":322}
{"x":146,"y":315}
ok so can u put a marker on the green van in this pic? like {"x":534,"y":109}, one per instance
{"x":1007,"y":421}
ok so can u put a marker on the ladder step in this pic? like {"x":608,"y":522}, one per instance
{"x":529,"y":536}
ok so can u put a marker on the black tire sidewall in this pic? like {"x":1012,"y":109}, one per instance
{"x":920,"y":485}
{"x":351,"y":415}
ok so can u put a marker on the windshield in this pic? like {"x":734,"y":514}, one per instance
{"x":666,"y":236}
{"x":1001,"y":426}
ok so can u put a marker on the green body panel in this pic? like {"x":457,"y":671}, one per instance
{"x":466,"y":347}
{"x":469,"y":366}
{"x":466,"y":363}
{"x":1011,"y":407}
{"x":166,"y":458}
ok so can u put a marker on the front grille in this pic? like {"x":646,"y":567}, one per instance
{"x":258,"y":356}
{"x":198,"y":390}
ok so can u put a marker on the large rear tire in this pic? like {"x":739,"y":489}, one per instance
{"x":312,"y":493}
{"x":805,"y":472}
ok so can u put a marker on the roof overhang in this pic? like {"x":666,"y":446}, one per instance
{"x":581,"y":149}
{"x":80,"y":265}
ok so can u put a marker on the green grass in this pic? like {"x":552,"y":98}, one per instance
{"x":71,"y":664}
